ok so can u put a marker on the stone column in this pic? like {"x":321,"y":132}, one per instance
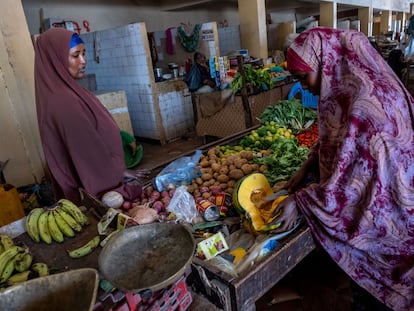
{"x":253,"y":28}
{"x":365,"y":15}
{"x":327,"y":12}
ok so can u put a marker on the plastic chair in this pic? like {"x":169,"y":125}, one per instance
{"x":308,"y":99}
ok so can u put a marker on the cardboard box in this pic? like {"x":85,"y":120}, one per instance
{"x":116,"y":103}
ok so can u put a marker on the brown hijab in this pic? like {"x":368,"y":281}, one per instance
{"x":81,"y":140}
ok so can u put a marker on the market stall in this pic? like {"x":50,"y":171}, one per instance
{"x":216,"y":194}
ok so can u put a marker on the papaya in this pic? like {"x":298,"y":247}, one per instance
{"x":248,"y":200}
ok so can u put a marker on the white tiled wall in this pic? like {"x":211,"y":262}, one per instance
{"x":176,"y":113}
{"x":123,"y":66}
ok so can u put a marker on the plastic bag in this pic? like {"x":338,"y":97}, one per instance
{"x":179,"y":172}
{"x":194,"y":79}
{"x":183,"y":205}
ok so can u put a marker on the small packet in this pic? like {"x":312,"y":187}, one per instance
{"x":212,"y":246}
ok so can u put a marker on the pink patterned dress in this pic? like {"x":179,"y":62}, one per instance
{"x":362,"y":210}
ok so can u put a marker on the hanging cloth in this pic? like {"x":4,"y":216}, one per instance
{"x":170,"y":42}
{"x":189,"y":42}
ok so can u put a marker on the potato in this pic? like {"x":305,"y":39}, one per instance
{"x":216,"y":167}
{"x":206,"y":176}
{"x":199,"y":181}
{"x":204,"y":163}
{"x":245,"y":154}
{"x":224,"y":170}
{"x":262,"y":168}
{"x":246,"y":168}
{"x":236,"y":174}
{"x":223,"y":178}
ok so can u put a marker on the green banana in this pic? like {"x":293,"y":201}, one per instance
{"x":85,"y":249}
{"x":8,"y":270}
{"x":20,"y":277}
{"x":63,"y":224}
{"x":44,"y":228}
{"x":74,"y":225}
{"x":32,"y":224}
{"x":9,"y":255}
{"x":6,"y":241}
{"x":40,"y":268}
{"x":74,"y":211}
{"x":23,"y":261}
{"x":1,"y":249}
{"x":54,"y":230}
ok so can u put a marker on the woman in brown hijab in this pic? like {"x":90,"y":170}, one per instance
{"x":81,"y":140}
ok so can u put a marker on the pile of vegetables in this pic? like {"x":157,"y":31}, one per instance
{"x":290,"y":114}
{"x":309,"y":137}
{"x":256,"y":79}
{"x":285,"y":160}
{"x":263,"y":137}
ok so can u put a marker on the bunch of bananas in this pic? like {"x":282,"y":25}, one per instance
{"x":62,"y":220}
{"x":16,"y":263}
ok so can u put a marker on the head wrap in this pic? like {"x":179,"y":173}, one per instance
{"x":75,"y":40}
{"x":296,"y":63}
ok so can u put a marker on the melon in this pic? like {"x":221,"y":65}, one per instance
{"x":257,"y":214}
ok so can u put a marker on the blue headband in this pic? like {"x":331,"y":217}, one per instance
{"x":75,"y":40}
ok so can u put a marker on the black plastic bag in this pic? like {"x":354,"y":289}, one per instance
{"x":194,"y":79}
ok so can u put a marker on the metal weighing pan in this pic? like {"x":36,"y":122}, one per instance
{"x":66,"y":291}
{"x":146,"y":258}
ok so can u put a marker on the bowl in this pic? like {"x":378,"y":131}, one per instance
{"x":66,"y":291}
{"x":147,"y":258}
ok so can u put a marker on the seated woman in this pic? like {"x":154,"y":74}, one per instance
{"x":199,"y":78}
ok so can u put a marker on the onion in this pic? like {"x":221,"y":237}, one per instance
{"x":126,"y":205}
{"x":158,"y":206}
{"x":112,"y":199}
{"x":164,"y":194}
{"x":171,"y":192}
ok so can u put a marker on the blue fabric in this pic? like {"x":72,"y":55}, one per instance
{"x":76,"y":40}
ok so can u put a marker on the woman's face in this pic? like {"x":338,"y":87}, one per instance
{"x":77,"y":61}
{"x":309,"y":80}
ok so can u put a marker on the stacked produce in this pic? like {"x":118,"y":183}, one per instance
{"x":56,"y":223}
{"x":16,"y":263}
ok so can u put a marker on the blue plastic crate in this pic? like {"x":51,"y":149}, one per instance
{"x":308,"y":99}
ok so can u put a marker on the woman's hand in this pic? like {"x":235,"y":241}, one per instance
{"x":289,"y":214}
{"x":137,"y":175}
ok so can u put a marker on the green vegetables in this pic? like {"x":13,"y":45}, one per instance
{"x":285,"y":160}
{"x":256,"y":79}
{"x":290,"y":114}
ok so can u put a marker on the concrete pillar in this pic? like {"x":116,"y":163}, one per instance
{"x":386,"y":20}
{"x":327,"y":14}
{"x":401,"y":17}
{"x":365,"y":15}
{"x":253,"y":28}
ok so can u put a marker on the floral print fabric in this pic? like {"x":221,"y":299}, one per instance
{"x":362,"y":211}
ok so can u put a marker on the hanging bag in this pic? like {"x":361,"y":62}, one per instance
{"x":194,"y":79}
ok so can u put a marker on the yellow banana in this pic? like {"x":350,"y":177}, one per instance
{"x":20,"y":277}
{"x":8,"y":270}
{"x":9,"y":255}
{"x":40,"y":268}
{"x":54,"y":230}
{"x":31,"y":224}
{"x":6,"y":241}
{"x":44,"y":227}
{"x":74,"y":211}
{"x":23,"y":261}
{"x":85,"y":249}
{"x":69,"y":220}
{"x":62,"y":224}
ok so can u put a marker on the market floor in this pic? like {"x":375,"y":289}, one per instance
{"x":316,"y":284}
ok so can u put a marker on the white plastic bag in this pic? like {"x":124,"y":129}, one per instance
{"x":183,"y":205}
